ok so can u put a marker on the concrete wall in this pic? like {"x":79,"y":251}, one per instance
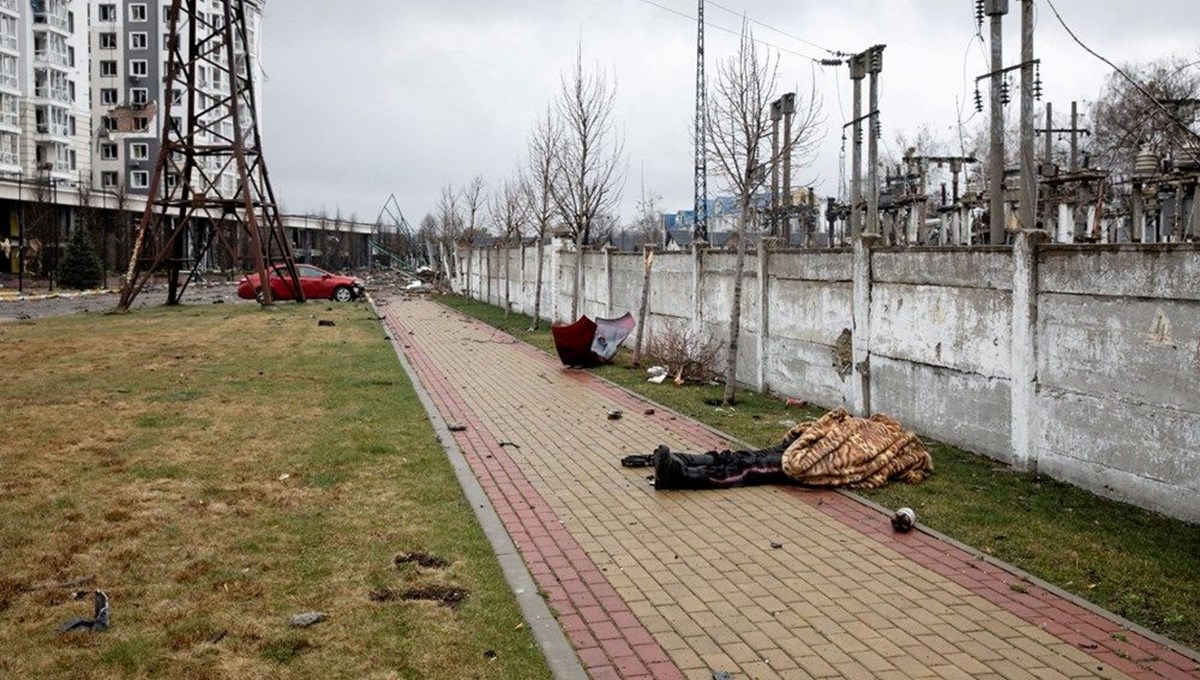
{"x":1078,"y":361}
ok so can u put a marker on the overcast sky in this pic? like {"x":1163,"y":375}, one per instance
{"x":366,"y":98}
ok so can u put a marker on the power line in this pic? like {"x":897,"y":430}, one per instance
{"x":1136,"y":84}
{"x":729,"y":31}
{"x":772,"y":28}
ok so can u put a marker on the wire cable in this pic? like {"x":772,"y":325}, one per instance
{"x":730,"y":31}
{"x":1138,"y":86}
{"x":772,"y":28}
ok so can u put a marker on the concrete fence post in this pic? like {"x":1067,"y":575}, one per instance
{"x":556,"y":250}
{"x":697,"y":285}
{"x":487,"y":275}
{"x":644,"y":307}
{"x":765,"y":246}
{"x":861,"y":339}
{"x":1023,"y":349}
{"x":608,"y":281}
{"x":523,"y":294}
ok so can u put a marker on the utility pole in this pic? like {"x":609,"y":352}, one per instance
{"x":1028,"y":203}
{"x":1074,"y":136}
{"x":996,"y":9}
{"x":700,"y":199}
{"x":776,"y":115}
{"x":788,"y":102}
{"x":874,"y":66}
{"x":857,"y":72}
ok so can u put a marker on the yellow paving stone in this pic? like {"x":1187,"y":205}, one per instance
{"x":696,"y":568}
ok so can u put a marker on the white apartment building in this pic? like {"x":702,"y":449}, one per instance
{"x":129,"y":64}
{"x":44,"y":111}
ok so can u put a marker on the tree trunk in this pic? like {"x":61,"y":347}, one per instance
{"x":644,"y":310}
{"x":577,"y":297}
{"x":537,"y":288}
{"x":507,"y":271}
{"x":470,"y":267}
{"x":735,"y":316}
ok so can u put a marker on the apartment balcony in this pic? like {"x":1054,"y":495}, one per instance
{"x":55,"y":20}
{"x":58,"y":95}
{"x":10,"y":81}
{"x":9,"y":6}
{"x":10,"y":43}
{"x":48,"y":58}
{"x":56,"y":130}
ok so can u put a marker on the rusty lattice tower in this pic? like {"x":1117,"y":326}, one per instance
{"x":210,"y":182}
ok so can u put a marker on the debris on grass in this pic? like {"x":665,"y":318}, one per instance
{"x":446,"y":596}
{"x":307,"y":619}
{"x":422,"y":559}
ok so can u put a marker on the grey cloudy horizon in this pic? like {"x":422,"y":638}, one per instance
{"x":367,"y":98}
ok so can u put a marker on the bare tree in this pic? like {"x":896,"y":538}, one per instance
{"x":647,"y":227}
{"x":1126,"y":119}
{"x":474,"y":201}
{"x":540,"y":177}
{"x":590,"y":162}
{"x":509,"y":215}
{"x":738,"y":125}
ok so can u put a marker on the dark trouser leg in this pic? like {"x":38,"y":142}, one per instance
{"x":717,"y":469}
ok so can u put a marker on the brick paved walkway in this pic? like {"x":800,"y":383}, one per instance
{"x":681,"y":584}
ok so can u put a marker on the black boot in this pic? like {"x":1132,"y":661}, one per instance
{"x":681,"y":470}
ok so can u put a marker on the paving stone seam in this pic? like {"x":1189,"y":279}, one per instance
{"x":1179,"y":657}
{"x":602,"y":646}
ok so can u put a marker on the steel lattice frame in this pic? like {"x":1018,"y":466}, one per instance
{"x":217,"y":137}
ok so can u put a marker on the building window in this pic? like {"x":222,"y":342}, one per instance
{"x":108,"y":69}
{"x":108,"y":96}
{"x":177,"y":97}
{"x":107,"y":12}
{"x":108,"y":41}
{"x":139,"y":152}
{"x":137,"y":12}
{"x":71,"y":23}
{"x":108,"y":152}
{"x":137,"y":67}
{"x":139,"y":95}
{"x":109,"y":123}
{"x":141,"y":124}
{"x":177,"y":124}
{"x":139,"y":179}
{"x":138,"y":41}
{"x":73,"y":158}
{"x":108,"y":180}
{"x":71,"y":56}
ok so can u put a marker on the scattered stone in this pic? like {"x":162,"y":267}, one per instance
{"x":776,"y":545}
{"x":325,"y":322}
{"x":490,"y":655}
{"x":218,"y":302}
{"x":217,"y":637}
{"x":648,"y":412}
{"x":795,"y":403}
{"x":456,"y":427}
{"x":307,"y":619}
{"x":722,"y":675}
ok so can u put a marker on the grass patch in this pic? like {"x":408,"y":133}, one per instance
{"x":1136,"y":563}
{"x":218,"y":470}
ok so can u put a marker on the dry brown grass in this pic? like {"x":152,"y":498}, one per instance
{"x":218,"y":470}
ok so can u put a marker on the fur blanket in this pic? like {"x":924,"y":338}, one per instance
{"x":840,"y":450}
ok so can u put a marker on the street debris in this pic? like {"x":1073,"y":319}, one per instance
{"x":615,"y":414}
{"x":325,"y":322}
{"x":456,"y":427}
{"x":904,"y":520}
{"x":307,"y":619}
{"x":100,"y":615}
{"x":648,"y":412}
{"x":588,"y":343}
{"x":776,"y":545}
{"x":446,"y":596}
{"x":836,"y":450}
{"x":795,"y":403}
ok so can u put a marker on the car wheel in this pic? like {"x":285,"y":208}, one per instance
{"x":342,"y":294}
{"x":258,"y":295}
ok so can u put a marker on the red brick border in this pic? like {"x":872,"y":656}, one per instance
{"x":608,"y":637}
{"x":1092,"y":633}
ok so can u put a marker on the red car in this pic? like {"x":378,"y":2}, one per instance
{"x":316,"y":283}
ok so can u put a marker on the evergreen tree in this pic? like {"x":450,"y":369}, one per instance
{"x":80,"y":266}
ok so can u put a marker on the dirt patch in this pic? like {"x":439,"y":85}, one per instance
{"x":421,"y":559}
{"x":446,"y":596}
